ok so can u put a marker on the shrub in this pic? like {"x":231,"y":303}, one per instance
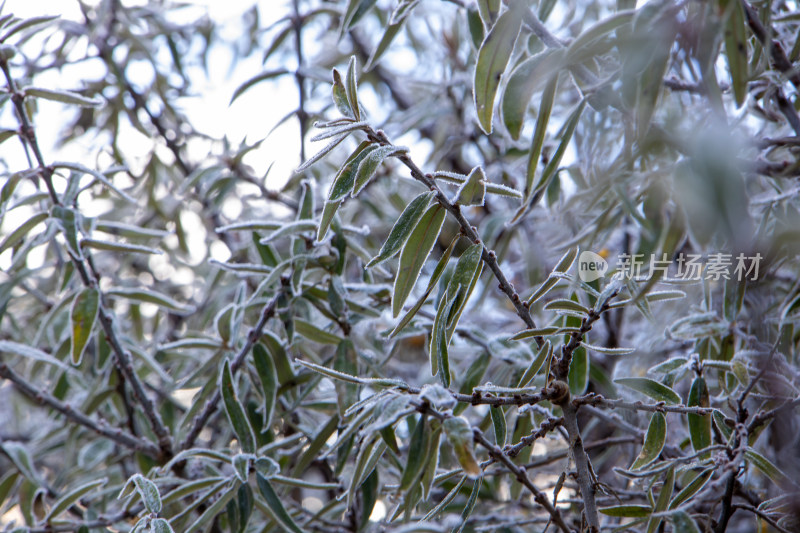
{"x":568,"y":304}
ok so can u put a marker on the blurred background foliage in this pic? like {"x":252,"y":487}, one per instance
{"x":190,"y":338}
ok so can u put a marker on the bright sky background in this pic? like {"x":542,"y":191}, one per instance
{"x":251,"y":117}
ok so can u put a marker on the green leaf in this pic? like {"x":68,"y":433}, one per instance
{"x":328,"y":211}
{"x":459,"y":433}
{"x":148,"y":296}
{"x":312,"y":332}
{"x":692,"y":487}
{"x":234,"y":410}
{"x":65,"y":97}
{"x":564,"y":304}
{"x":414,"y":254}
{"x":654,"y":441}
{"x":346,"y":362}
{"x":434,"y":279}
{"x":583,"y":47}
{"x":110,"y":246}
{"x":205,"y":519}
{"x":416,"y":455}
{"x":663,"y":500}
{"x":68,"y":220}
{"x":346,"y":177}
{"x":16,"y":236}
{"x":552,"y":166}
{"x":473,"y":191}
{"x":470,"y":506}
{"x":369,"y":165}
{"x":83,"y":316}
{"x":545,"y":352}
{"x":492,"y":60}
{"x":736,"y":48}
{"x":399,"y":16}
{"x":68,"y":499}
{"x":683,"y":523}
{"x":578,"y":376}
{"x":699,"y":425}
{"x":339,"y":95}
{"x":465,"y":277}
{"x":765,"y":466}
{"x":654,"y":389}
{"x":351,"y":88}
{"x":268,"y":376}
{"x":290,"y":228}
{"x":630,"y":511}
{"x":322,"y":153}
{"x":160,"y":525}
{"x":440,"y":360}
{"x":499,"y":424}
{"x":488,"y":10}
{"x":608,"y":351}
{"x":277,"y":509}
{"x":524,"y":81}
{"x":402,"y":228}
{"x":148,"y":492}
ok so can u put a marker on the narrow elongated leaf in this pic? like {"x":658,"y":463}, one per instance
{"x":312,"y":332}
{"x":499,"y":424}
{"x":16,"y":236}
{"x":578,"y":376}
{"x":663,"y":500}
{"x":459,"y":433}
{"x":24,"y":24}
{"x":339,"y":95}
{"x":488,"y":10}
{"x":765,"y":465}
{"x":160,"y":525}
{"x":415,"y":252}
{"x":564,"y":304}
{"x":279,"y":513}
{"x":69,"y":498}
{"x":434,"y":279}
{"x":492,"y":60}
{"x":234,"y":410}
{"x":736,"y":48}
{"x":65,"y":97}
{"x":416,"y":455}
{"x":630,"y":511}
{"x":654,"y":441}
{"x":544,"y":353}
{"x":552,"y":166}
{"x":402,"y":228}
{"x":608,"y":351}
{"x":537,"y":332}
{"x":147,"y":296}
{"x":582,"y":46}
{"x":654,"y":389}
{"x":83,"y":316}
{"x":325,"y":220}
{"x":351,"y":88}
{"x":395,"y":24}
{"x":471,"y":501}
{"x":465,"y":276}
{"x":258,"y":78}
{"x":68,"y":220}
{"x":524,"y":81}
{"x":346,"y":177}
{"x":369,"y":165}
{"x":126,"y":248}
{"x":692,"y":488}
{"x":473,"y":190}
{"x":699,"y":425}
{"x":322,"y":153}
{"x":440,"y":359}
{"x":346,"y":362}
{"x":543,"y":289}
{"x":214,"y":509}
{"x":148,"y":492}
{"x":265,"y":368}
{"x":290,"y":228}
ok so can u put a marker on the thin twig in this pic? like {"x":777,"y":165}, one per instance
{"x":101,"y":427}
